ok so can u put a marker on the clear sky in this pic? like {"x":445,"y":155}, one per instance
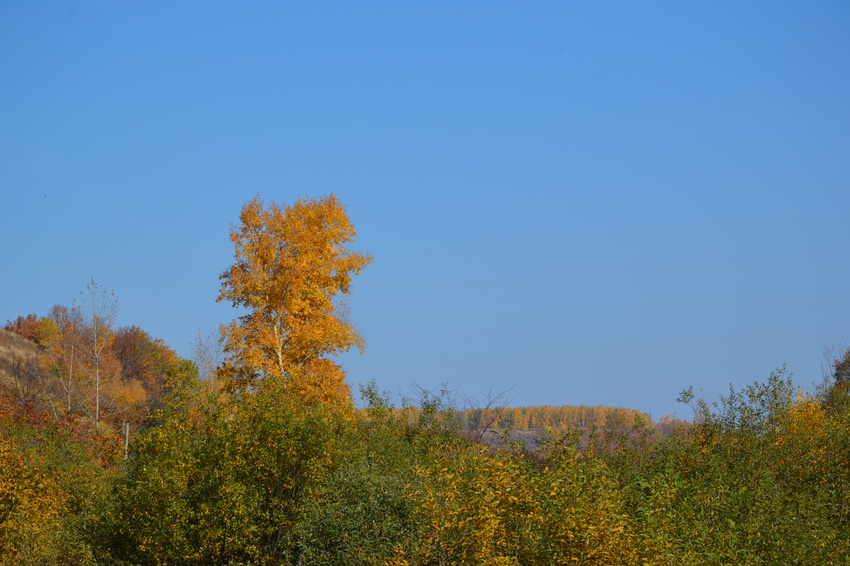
{"x":594,"y":202}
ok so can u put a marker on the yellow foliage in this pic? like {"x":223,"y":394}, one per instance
{"x":477,"y":508}
{"x":31,"y":505}
{"x":482,"y":506}
{"x":291,"y":270}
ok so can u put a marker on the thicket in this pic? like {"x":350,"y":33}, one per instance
{"x":762,"y":477}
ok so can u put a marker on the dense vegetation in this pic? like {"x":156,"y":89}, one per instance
{"x":762,"y":477}
{"x":263,"y":478}
{"x":115,"y":451}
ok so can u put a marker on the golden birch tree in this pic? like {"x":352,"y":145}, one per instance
{"x":291,"y":274}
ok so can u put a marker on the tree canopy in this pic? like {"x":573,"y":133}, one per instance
{"x":291,"y":271}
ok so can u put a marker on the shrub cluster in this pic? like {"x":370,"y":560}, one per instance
{"x":763,"y":477}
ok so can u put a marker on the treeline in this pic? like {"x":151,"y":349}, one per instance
{"x":262,"y":477}
{"x":492,"y":420}
{"x":539,"y":417}
{"x":536,"y":417}
{"x":117,"y":377}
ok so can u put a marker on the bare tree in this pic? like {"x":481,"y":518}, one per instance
{"x":62,"y":348}
{"x":841,"y":369}
{"x":29,"y":382}
{"x":98,"y":309}
{"x":475,"y":419}
{"x":835,"y":365}
{"x":206,"y":353}
{"x":484,"y":414}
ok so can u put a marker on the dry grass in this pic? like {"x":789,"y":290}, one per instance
{"x":22,"y":370}
{"x":12,"y":345}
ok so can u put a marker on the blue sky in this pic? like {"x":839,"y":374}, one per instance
{"x":594,"y":202}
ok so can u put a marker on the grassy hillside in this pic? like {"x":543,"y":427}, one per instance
{"x":12,"y":346}
{"x":23,"y":372}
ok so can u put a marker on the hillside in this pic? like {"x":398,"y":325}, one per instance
{"x":13,"y":345}
{"x":22,"y":371}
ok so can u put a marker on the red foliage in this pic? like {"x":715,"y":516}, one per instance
{"x":25,"y":326}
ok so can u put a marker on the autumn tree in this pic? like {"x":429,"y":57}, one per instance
{"x":144,"y":361}
{"x":291,"y":272}
{"x":61,"y":336}
{"x":26,"y":326}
